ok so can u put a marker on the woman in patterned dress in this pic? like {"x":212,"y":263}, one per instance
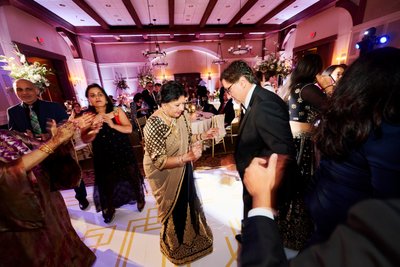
{"x":169,"y":152}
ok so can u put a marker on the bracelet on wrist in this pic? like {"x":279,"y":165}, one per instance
{"x":46,"y":149}
{"x":181,"y":160}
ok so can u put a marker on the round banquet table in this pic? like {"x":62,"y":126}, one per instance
{"x":201,"y":121}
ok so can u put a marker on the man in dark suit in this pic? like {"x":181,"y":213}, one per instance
{"x":264,"y":129}
{"x":149,"y":97}
{"x":226,"y":107}
{"x":364,"y":240}
{"x":19,"y":119}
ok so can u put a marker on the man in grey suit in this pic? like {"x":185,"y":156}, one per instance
{"x":20,"y":119}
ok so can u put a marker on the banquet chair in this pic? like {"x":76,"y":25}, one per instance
{"x":81,"y":148}
{"x":217,"y":121}
{"x":232,"y":129}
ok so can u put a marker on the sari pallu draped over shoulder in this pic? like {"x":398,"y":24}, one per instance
{"x":185,"y":235}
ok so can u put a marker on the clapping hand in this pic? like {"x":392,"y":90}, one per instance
{"x":261,"y":180}
{"x":195,"y":151}
{"x":211,"y":133}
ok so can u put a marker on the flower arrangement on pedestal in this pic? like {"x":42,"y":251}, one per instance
{"x":120,"y":82}
{"x":145,"y":75}
{"x":273,"y":63}
{"x":36,"y":72}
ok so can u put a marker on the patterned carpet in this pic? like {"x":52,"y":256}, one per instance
{"x":132,"y":239}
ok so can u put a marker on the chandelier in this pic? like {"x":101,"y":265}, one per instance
{"x":239,"y":49}
{"x":160,"y":63}
{"x":156,"y":53}
{"x":220,"y":60}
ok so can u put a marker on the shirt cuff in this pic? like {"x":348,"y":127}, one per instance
{"x":261,"y":212}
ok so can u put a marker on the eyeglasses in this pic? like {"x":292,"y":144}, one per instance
{"x":228,"y":90}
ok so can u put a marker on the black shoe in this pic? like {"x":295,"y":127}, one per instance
{"x":108,"y":218}
{"x":239,"y":238}
{"x":140,"y":205}
{"x":83,"y":204}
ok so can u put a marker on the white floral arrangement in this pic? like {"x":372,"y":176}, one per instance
{"x":275,"y":64}
{"x":145,"y":75}
{"x":120,"y":82}
{"x":36,"y":72}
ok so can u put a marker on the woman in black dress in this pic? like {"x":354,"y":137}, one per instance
{"x":118,"y":180}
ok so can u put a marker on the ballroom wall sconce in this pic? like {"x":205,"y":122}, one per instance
{"x":209,"y":76}
{"x":76,"y":80}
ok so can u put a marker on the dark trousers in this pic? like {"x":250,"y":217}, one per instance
{"x":80,"y":191}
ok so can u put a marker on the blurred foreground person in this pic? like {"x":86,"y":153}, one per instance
{"x":364,"y":239}
{"x":35,"y":228}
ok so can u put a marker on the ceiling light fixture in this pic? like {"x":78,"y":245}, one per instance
{"x":239,"y":49}
{"x":157,"y":52}
{"x":220,"y":60}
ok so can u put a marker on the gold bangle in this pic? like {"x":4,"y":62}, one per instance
{"x":46,"y":149}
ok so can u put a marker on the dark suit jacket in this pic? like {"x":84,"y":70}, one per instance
{"x":148,"y":98}
{"x":18,"y":119}
{"x":264,"y":129}
{"x":368,"y":238}
{"x":229,"y":111}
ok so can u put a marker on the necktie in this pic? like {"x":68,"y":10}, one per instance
{"x":34,"y":121}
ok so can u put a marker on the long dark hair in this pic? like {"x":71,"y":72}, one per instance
{"x":306,"y":70}
{"x":367,"y":95}
{"x":109,"y":105}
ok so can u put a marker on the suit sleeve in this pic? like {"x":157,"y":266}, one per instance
{"x":272,"y":122}
{"x":11,"y":120}
{"x":369,"y":238}
{"x":261,"y":244}
{"x":59,"y":113}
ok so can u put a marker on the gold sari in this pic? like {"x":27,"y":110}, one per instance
{"x":185,"y":235}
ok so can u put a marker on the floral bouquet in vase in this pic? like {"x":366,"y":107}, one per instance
{"x":145,"y":75}
{"x":120,"y":82}
{"x":36,"y":72}
{"x":273,"y":63}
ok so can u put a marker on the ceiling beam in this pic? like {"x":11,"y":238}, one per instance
{"x":38,"y":11}
{"x":85,"y":7}
{"x":207,"y":12}
{"x":178,"y":29}
{"x":171,"y":13}
{"x":132,"y":12}
{"x":309,"y":12}
{"x":275,"y":11}
{"x":249,"y":4}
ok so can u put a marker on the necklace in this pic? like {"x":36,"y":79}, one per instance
{"x":170,"y":120}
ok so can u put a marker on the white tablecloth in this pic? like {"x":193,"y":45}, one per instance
{"x":201,"y":122}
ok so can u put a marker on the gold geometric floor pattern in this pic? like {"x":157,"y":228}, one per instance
{"x":132,"y":239}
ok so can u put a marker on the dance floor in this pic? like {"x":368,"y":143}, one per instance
{"x":132,"y":239}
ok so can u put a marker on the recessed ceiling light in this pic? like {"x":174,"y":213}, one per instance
{"x":116,"y":16}
{"x":151,"y":5}
{"x":82,"y":20}
{"x":119,"y":19}
{"x":62,"y":5}
{"x":227,"y":6}
{"x":191,"y":6}
{"x":295,"y":6}
{"x":276,"y":18}
{"x":262,"y":6}
{"x":187,"y":19}
{"x":108,"y":5}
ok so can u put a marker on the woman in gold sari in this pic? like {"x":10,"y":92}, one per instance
{"x":169,"y":152}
